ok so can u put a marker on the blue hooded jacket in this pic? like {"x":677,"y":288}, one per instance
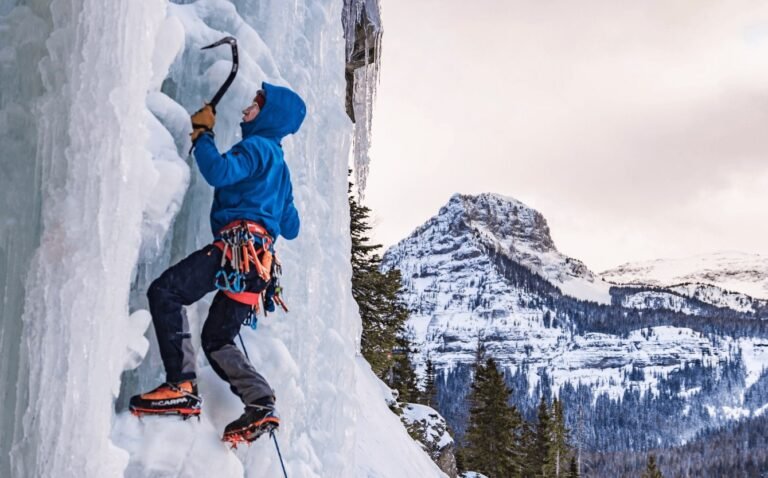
{"x":251,"y":181}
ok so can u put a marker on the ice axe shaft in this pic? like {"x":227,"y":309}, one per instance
{"x":232,"y":43}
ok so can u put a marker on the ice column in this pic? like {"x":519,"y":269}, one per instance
{"x":22,"y":46}
{"x":92,"y":164}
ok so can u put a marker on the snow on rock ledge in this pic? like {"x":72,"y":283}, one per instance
{"x":432,"y":431}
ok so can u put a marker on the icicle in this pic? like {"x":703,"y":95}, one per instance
{"x":361,"y":17}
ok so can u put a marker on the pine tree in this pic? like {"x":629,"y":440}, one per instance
{"x":573,"y":469}
{"x":558,"y":449}
{"x":528,"y":446}
{"x":430,"y":389}
{"x":652,"y":470}
{"x":378,"y":295}
{"x":403,"y":378}
{"x":491,"y":446}
{"x":539,"y":453}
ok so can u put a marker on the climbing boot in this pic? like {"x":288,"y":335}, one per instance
{"x":256,"y":421}
{"x":168,"y":399}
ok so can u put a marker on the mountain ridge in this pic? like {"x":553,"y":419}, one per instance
{"x":732,"y":271}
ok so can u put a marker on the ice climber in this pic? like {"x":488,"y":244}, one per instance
{"x":252,"y":206}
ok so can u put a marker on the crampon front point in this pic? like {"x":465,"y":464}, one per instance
{"x":184,"y":413}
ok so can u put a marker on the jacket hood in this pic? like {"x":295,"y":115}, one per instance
{"x":283,"y":113}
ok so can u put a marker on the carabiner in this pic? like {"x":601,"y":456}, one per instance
{"x":222,"y":275}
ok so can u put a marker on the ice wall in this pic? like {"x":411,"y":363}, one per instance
{"x":308,"y":355}
{"x":22,"y":36}
{"x":101,"y":197}
{"x":76,"y":165}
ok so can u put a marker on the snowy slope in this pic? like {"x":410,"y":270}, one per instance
{"x":384,"y":448}
{"x":731,"y":271}
{"x":104,"y":198}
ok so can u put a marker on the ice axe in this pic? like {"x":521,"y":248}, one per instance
{"x":232,"y":43}
{"x":230,"y":78}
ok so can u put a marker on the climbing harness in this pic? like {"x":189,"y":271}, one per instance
{"x":246,"y":244}
{"x":237,"y":242}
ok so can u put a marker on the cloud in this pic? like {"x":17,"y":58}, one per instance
{"x":625,"y":114}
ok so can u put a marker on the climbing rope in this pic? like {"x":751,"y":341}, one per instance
{"x":279,"y":455}
{"x":271,"y":432}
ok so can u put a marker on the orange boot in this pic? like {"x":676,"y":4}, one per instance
{"x":168,"y":399}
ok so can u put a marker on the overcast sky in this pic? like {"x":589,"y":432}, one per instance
{"x":638,"y":128}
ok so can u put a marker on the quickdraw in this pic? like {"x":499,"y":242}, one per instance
{"x":238,"y":242}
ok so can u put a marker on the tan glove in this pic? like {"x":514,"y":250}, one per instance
{"x":203,"y":120}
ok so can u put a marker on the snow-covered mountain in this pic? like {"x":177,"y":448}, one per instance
{"x":732,"y":277}
{"x":517,"y":231}
{"x":484,"y":270}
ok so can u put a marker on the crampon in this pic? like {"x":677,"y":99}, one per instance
{"x":184,"y":413}
{"x":251,"y":432}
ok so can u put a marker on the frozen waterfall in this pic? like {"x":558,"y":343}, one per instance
{"x":99,"y":197}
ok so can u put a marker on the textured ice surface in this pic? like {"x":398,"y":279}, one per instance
{"x":94,"y":113}
{"x":22,"y":36}
{"x":91,"y":166}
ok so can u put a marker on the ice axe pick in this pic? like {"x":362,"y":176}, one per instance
{"x":232,"y":43}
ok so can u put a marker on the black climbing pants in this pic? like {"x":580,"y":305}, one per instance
{"x":186,"y":283}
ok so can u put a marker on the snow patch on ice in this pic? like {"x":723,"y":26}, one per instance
{"x":473,"y":474}
{"x":167,"y":446}
{"x":138,"y":345}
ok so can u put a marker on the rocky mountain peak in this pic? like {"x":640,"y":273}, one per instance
{"x":472,"y":225}
{"x":506,"y":219}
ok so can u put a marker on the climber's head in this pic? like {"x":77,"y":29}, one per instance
{"x":253,"y":110}
{"x":281,"y":113}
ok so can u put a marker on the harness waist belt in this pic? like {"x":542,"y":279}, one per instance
{"x":253,"y":227}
